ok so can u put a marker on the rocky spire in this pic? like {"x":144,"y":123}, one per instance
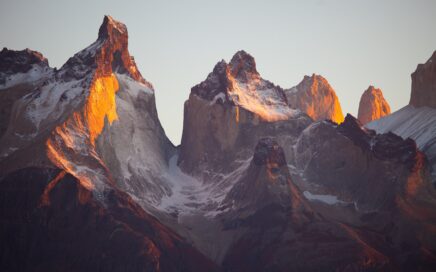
{"x":372,"y":105}
{"x":111,"y":29}
{"x":109,"y":54}
{"x":424,"y":84}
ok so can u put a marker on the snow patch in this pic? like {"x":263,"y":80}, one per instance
{"x":327,"y":199}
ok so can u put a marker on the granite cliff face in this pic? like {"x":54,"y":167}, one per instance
{"x":372,"y":106}
{"x":424,"y":84}
{"x":314,"y":96}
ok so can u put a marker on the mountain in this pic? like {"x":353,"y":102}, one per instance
{"x":417,"y":120}
{"x":98,"y":150}
{"x":372,"y":105}
{"x":89,"y":181}
{"x":314,"y":96}
{"x":229,"y":112}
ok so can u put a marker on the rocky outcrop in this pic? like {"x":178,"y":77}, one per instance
{"x":372,"y":106}
{"x":357,"y":163}
{"x":314,"y":96}
{"x":424,"y":84}
{"x":229,"y":112}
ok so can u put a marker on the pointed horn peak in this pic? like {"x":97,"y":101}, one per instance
{"x":110,"y":28}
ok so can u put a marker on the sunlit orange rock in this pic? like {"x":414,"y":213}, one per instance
{"x":314,"y":96}
{"x":372,"y":105}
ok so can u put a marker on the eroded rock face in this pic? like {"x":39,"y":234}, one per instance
{"x":372,"y":106}
{"x":314,"y":96}
{"x":424,"y":84}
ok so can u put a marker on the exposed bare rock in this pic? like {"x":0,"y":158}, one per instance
{"x":314,"y":96}
{"x":372,"y":106}
{"x":424,"y":84}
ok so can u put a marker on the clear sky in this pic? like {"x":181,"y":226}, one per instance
{"x":352,"y":43}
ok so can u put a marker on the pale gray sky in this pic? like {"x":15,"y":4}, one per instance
{"x":177,"y":43}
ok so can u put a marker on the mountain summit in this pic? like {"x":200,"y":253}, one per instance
{"x":314,"y":96}
{"x":372,"y":105}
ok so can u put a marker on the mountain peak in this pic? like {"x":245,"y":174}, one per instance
{"x":110,"y":28}
{"x":109,"y":54}
{"x":314,"y":96}
{"x":372,"y":105}
{"x":243,"y":66}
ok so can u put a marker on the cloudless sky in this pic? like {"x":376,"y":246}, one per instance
{"x":352,"y":43}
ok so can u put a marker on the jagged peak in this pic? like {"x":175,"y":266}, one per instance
{"x":111,"y":28}
{"x":109,"y":54}
{"x":243,"y":66}
{"x":424,"y":84}
{"x":315,"y":79}
{"x":372,"y":89}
